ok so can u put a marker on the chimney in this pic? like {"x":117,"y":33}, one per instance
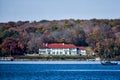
{"x":46,"y":44}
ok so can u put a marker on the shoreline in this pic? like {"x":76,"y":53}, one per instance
{"x":51,"y":62}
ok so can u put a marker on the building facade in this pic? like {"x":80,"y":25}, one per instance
{"x":61,"y":49}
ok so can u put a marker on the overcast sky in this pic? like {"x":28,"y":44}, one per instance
{"x":15,"y":10}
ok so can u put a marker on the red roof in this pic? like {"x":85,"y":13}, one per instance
{"x":61,"y":45}
{"x":81,"y":48}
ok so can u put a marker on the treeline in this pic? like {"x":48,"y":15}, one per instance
{"x":18,"y":38}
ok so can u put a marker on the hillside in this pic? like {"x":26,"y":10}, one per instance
{"x":102,"y":35}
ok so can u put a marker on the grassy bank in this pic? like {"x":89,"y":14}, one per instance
{"x":54,"y":57}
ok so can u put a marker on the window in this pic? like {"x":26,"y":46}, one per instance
{"x":48,"y":52}
{"x":57,"y":52}
{"x":60,"y":52}
{"x":53,"y":52}
{"x":65,"y":52}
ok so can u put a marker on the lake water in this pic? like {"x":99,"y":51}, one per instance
{"x":58,"y":71}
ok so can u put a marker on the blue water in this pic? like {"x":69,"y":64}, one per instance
{"x":59,"y":72}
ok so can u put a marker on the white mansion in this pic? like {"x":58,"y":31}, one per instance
{"x":61,"y":49}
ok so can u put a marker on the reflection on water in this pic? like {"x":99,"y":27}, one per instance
{"x":59,"y":72}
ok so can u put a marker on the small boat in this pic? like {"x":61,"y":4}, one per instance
{"x":108,"y":63}
{"x":7,"y":58}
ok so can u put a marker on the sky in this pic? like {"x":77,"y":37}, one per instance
{"x":36,"y":10}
